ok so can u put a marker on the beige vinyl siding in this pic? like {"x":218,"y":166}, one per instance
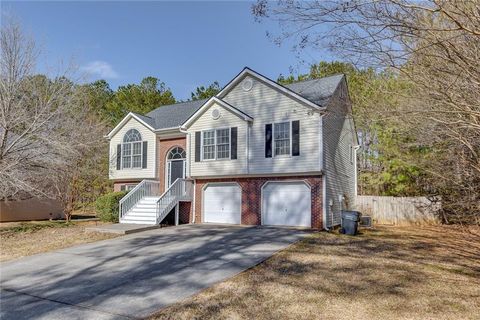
{"x":147,"y":135}
{"x":338,"y":138}
{"x":221,"y":167}
{"x":267,"y":105}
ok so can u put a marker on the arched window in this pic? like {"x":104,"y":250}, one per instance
{"x":176,"y":153}
{"x":132,"y":135}
{"x":132,"y":149}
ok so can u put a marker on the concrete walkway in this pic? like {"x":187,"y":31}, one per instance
{"x":134,"y":275}
{"x":122,"y":228}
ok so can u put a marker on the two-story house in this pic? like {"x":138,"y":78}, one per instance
{"x":258,"y":153}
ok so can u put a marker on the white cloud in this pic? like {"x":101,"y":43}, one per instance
{"x":100,"y":69}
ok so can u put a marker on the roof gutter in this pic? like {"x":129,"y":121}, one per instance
{"x":167,"y":130}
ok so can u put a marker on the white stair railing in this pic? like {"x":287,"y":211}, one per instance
{"x":146,"y":188}
{"x":180,"y":190}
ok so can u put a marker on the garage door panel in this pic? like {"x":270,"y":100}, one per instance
{"x":287,"y":204}
{"x":222,"y":203}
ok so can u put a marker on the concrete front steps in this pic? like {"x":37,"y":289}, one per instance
{"x":144,"y":212}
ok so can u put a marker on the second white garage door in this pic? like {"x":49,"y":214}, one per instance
{"x":286,"y":204}
{"x":222,"y":203}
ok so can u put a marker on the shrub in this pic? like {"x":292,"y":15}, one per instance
{"x":107,"y":206}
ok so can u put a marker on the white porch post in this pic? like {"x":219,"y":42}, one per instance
{"x":177,"y":209}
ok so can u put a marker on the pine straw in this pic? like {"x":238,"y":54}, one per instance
{"x":28,"y":238}
{"x":385,"y":273}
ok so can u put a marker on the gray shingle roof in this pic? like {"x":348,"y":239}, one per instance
{"x":317,"y":90}
{"x":147,"y":120}
{"x":174,"y":115}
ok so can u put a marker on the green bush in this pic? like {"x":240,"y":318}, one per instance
{"x":107,"y":206}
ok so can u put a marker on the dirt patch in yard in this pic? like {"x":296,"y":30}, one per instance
{"x":385,"y":273}
{"x":27,"y":238}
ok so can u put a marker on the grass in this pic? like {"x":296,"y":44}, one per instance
{"x":27,"y":238}
{"x":384,"y":273}
{"x":32,"y":226}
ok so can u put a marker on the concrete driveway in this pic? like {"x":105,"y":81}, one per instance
{"x":134,"y":275}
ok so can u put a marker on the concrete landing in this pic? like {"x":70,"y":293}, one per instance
{"x":122,"y":228}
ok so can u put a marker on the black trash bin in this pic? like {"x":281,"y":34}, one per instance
{"x":350,"y":220}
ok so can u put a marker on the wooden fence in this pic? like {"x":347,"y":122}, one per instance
{"x":398,"y":210}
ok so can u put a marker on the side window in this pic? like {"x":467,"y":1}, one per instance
{"x":208,"y":143}
{"x":223,"y":143}
{"x":127,"y":187}
{"x":132,"y":150}
{"x":216,"y":144}
{"x":281,"y":138}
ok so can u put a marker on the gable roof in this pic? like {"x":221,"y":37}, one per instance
{"x":174,"y":115}
{"x":223,"y":104}
{"x":317,"y":90}
{"x":145,"y":119}
{"x":138,"y":117}
{"x":314,"y":93}
{"x":164,"y":117}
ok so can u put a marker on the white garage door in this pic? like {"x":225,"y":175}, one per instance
{"x":221,"y":203}
{"x":286,"y":204}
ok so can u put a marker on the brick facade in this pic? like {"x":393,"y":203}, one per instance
{"x":185,"y":212}
{"x":165,"y":146}
{"x":251,"y":197}
{"x":251,"y":190}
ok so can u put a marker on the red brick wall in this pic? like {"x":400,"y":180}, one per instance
{"x":165,"y":146}
{"x":251,"y":197}
{"x":185,"y":212}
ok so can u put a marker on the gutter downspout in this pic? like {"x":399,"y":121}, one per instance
{"x":193,"y":204}
{"x":324,"y":204}
{"x":355,"y":149}
{"x":248,"y":148}
{"x":183,"y":130}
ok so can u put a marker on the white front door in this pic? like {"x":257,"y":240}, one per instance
{"x":222,"y":203}
{"x":286,"y":204}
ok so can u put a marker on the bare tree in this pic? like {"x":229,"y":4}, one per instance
{"x":433,"y":44}
{"x":45,"y":127}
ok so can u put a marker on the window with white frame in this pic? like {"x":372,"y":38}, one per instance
{"x":132,"y":150}
{"x":216,"y":144}
{"x":208,"y":143}
{"x":223,"y":143}
{"x":281,"y":138}
{"x":127,"y":187}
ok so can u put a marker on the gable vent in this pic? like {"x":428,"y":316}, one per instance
{"x":247,"y":85}
{"x":215,"y":114}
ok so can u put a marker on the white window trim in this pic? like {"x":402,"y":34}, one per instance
{"x":169,"y":168}
{"x":131,"y":156}
{"x":229,"y":144}
{"x":289,"y":137}
{"x":215,"y":144}
{"x":128,"y":186}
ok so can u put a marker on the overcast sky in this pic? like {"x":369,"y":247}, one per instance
{"x":185,"y":44}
